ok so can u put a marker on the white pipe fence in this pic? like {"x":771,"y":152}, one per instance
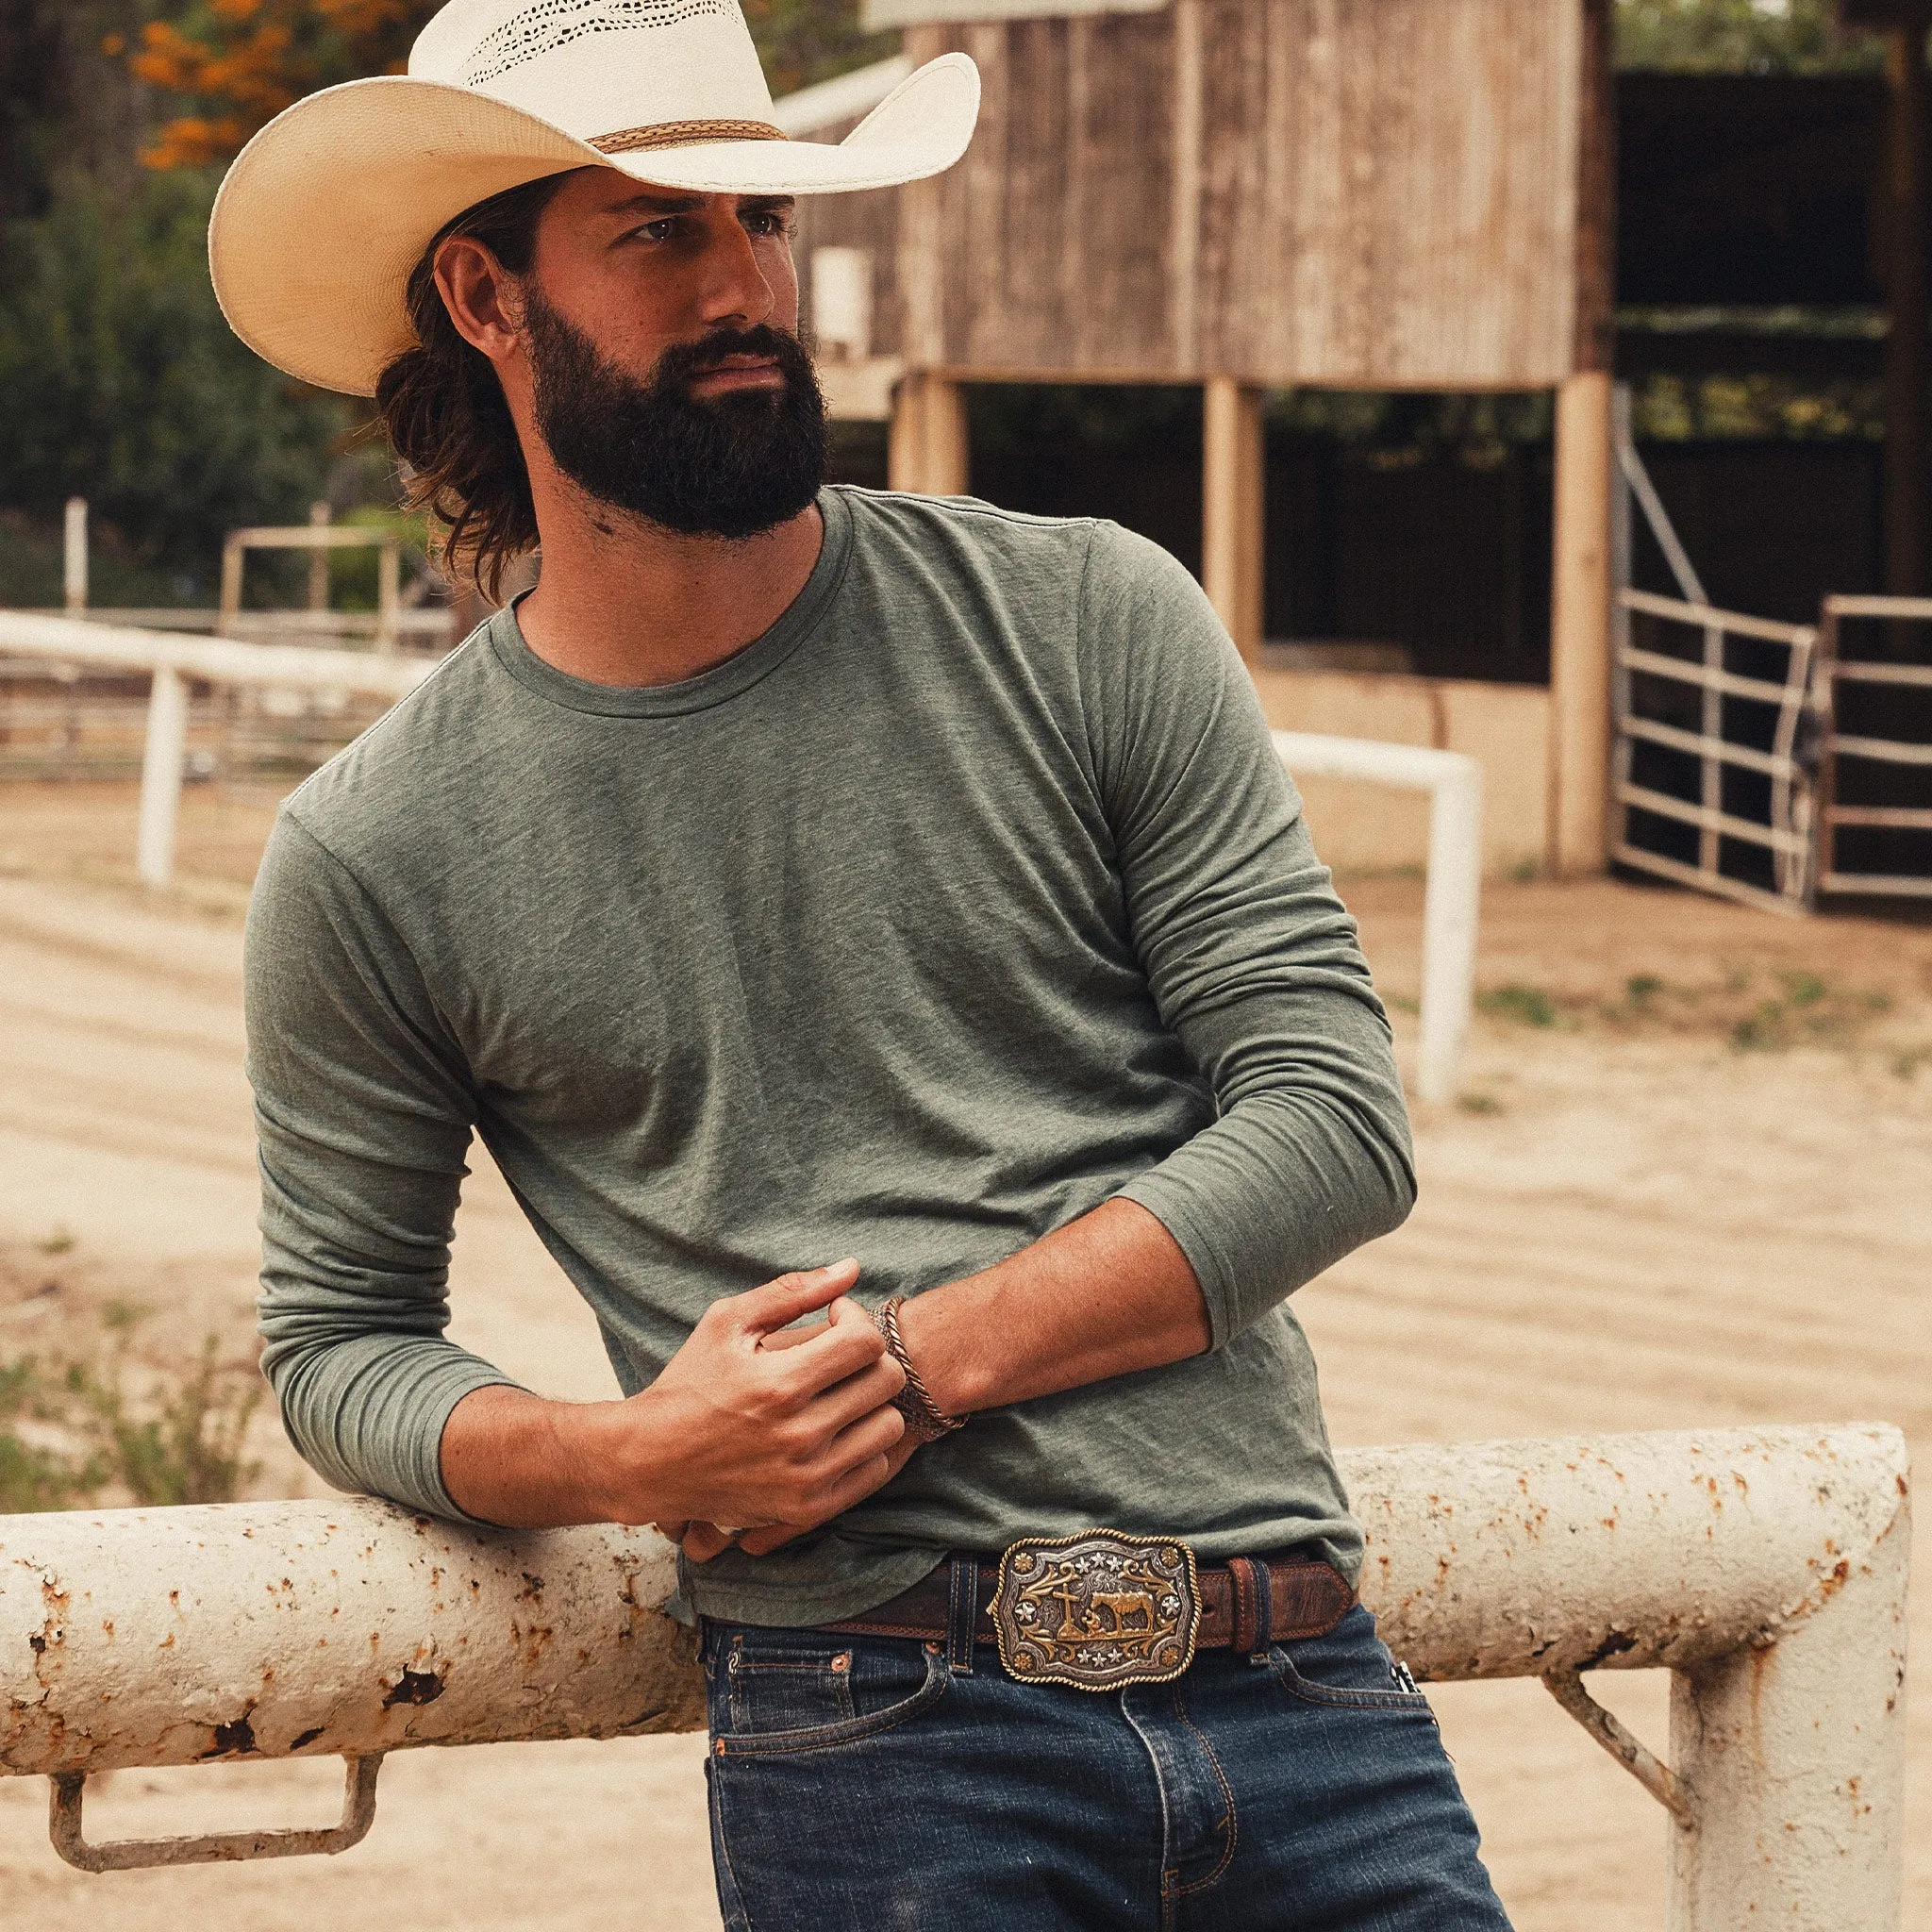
{"x":1766,"y":1568}
{"x":1453,"y":782}
{"x":172,"y":660}
{"x":1452,"y":893}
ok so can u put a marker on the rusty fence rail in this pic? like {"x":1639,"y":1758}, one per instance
{"x":1765,"y":1568}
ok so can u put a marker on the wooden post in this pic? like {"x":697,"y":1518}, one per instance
{"x":1233,"y":496}
{"x":930,"y":451}
{"x":1581,"y":592}
{"x":1580,"y":628}
{"x":1906,"y":301}
{"x":231,"y":586}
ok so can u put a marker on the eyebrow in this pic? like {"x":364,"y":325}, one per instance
{"x":684,"y":204}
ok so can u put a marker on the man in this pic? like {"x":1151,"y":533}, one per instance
{"x":839,"y":905}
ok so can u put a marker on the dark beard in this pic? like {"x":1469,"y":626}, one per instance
{"x":733,"y":467}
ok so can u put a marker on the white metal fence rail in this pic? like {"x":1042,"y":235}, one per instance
{"x":1453,"y":782}
{"x":1766,"y":1568}
{"x":1892,"y":755}
{"x":172,"y":660}
{"x":1453,"y":892}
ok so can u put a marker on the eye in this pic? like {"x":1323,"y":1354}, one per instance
{"x":767,"y":222}
{"x":664,"y":229}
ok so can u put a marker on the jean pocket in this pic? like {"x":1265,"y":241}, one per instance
{"x":770,"y":1689}
{"x":804,"y":1693}
{"x":1348,"y":1668}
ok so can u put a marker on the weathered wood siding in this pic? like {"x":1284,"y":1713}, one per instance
{"x":1361,"y":192}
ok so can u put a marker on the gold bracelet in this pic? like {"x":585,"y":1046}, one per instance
{"x":924,"y":1416}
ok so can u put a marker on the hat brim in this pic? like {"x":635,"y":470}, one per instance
{"x":324,"y":214}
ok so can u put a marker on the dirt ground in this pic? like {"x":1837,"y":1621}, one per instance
{"x":1687,"y":1183}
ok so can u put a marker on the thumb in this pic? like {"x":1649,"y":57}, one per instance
{"x":781,"y":1303}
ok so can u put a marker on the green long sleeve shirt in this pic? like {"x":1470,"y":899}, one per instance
{"x":971,"y":895}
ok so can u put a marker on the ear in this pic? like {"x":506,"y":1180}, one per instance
{"x":485,"y":301}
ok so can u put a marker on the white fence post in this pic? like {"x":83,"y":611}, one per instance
{"x":1451,"y":896}
{"x":1453,"y":892}
{"x":73,"y":555}
{"x":1796,"y":1752}
{"x":173,"y":659}
{"x":162,"y":761}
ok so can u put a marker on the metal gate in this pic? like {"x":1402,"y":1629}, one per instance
{"x":1710,"y":783}
{"x":1875,"y":782}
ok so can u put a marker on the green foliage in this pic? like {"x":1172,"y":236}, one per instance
{"x":805,"y":42}
{"x":191,"y":1450}
{"x":121,"y":382}
{"x":1677,"y":408}
{"x":1738,"y":36}
{"x":1529,"y":1006}
{"x":179,"y":1441}
{"x":33,"y":1475}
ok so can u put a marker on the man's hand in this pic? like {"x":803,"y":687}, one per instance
{"x":741,"y":1428}
{"x":701,"y":1541}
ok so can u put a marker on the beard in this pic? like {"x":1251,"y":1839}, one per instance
{"x":732,"y":466}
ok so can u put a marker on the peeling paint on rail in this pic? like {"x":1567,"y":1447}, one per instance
{"x":1765,"y":1568}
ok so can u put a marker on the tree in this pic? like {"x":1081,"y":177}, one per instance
{"x":227,"y":66}
{"x":1738,"y":36}
{"x":230,"y":65}
{"x":119,"y":381}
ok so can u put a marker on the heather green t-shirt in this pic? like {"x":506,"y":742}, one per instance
{"x":969,"y":896}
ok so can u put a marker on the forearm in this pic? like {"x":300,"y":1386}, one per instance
{"x":1105,"y":1296}
{"x":521,"y":1460}
{"x":737,"y":1429}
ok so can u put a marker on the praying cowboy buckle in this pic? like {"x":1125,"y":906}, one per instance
{"x":1097,"y":1610}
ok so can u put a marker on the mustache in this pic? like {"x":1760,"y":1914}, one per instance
{"x":683,"y":360}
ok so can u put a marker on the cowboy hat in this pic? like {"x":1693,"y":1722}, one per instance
{"x":327,"y":210}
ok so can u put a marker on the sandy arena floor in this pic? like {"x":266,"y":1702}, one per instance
{"x":1687,"y":1183}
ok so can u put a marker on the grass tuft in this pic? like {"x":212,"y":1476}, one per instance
{"x":72,"y":1431}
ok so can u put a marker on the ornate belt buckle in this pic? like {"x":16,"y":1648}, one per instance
{"x":1097,"y":1610}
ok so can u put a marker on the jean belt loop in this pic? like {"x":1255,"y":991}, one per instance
{"x":962,"y":1614}
{"x":1264,"y":1612}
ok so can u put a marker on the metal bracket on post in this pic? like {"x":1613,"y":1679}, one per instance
{"x":1656,"y":1777}
{"x":214,"y":1847}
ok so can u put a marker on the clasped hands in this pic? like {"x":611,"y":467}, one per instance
{"x":776,"y":1429}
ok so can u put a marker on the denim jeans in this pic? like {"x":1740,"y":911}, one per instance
{"x":871,"y":1783}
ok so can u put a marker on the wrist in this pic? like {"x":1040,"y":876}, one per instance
{"x":610,"y":1454}
{"x":954,"y":1378}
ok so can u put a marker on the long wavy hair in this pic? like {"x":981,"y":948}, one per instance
{"x":445,"y":411}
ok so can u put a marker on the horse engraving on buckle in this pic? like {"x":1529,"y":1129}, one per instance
{"x":1097,"y":1610}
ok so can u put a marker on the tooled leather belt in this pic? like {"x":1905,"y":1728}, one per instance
{"x":1100,"y":1609}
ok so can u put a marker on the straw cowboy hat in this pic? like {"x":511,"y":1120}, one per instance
{"x":327,"y":210}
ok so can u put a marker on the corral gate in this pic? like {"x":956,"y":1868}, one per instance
{"x":1710,"y":779}
{"x":1875,"y":747}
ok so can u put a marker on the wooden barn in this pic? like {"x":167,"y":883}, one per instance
{"x":1250,"y":195}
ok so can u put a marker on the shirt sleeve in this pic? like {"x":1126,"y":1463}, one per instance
{"x":1251,"y":959}
{"x":363,"y":1118}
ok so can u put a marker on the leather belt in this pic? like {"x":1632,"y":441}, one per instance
{"x":1100,"y":1595}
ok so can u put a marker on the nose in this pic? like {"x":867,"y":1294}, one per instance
{"x":737,"y":292}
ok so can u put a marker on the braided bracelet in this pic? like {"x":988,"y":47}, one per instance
{"x":924,"y":1417}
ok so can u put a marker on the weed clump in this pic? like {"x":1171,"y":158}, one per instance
{"x":71,"y":1432}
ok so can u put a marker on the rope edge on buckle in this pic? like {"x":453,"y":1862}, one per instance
{"x":1188,"y":1646}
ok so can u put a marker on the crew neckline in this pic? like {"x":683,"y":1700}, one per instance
{"x":721,"y":682}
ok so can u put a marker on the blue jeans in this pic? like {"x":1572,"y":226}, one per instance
{"x":873,"y":1782}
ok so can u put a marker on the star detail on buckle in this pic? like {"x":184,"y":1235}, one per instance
{"x":1097,"y":1610}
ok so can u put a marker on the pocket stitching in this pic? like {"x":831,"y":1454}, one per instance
{"x":853,"y":1730}
{"x":1296,"y":1685}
